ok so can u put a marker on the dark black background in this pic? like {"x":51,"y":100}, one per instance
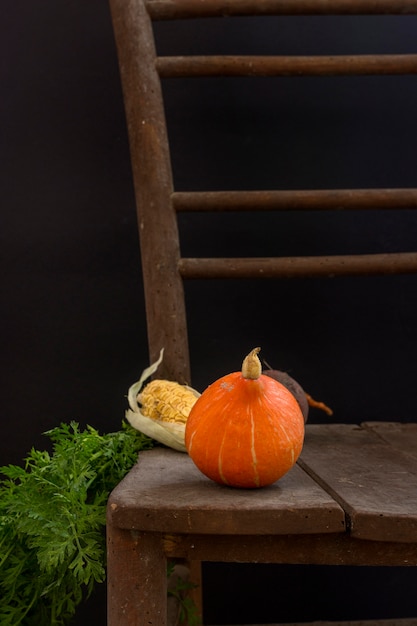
{"x":72,"y":312}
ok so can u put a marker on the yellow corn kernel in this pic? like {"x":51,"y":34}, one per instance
{"x":166,"y":401}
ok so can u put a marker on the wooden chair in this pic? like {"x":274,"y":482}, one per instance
{"x":352,"y":497}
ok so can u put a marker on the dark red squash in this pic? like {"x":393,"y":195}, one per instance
{"x":246,"y":429}
{"x":305,"y":400}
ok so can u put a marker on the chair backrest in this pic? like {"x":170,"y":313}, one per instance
{"x":158,"y":202}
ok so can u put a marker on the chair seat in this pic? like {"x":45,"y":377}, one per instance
{"x":356,"y":479}
{"x":350,"y":500}
{"x":371,"y":471}
{"x":165,"y":492}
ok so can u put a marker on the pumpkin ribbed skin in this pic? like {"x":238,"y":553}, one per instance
{"x":245,"y":432}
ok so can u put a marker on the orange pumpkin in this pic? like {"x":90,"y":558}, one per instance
{"x":246,"y":429}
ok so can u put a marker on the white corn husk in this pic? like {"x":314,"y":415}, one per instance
{"x":162,"y":411}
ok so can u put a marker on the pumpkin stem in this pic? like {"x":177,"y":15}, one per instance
{"x":251,"y":366}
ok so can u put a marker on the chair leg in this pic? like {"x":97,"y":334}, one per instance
{"x":136,"y":579}
{"x":196,"y":593}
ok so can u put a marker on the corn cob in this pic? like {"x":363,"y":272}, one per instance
{"x":161,"y":408}
{"x":166,"y":401}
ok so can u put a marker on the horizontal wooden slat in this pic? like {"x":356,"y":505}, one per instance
{"x":295,"y":267}
{"x":304,"y":549}
{"x":342,"y":65}
{"x":404,"y":621}
{"x":171,"y":9}
{"x":295,"y":200}
{"x":374,"y":482}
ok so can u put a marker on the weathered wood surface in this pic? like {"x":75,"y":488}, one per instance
{"x":371,"y":472}
{"x":136,"y":579}
{"x":352,"y":500}
{"x":299,"y":266}
{"x":165,"y":492}
{"x":297,"y":200}
{"x":403,"y":437}
{"x":152,"y":177}
{"x":357,"y":478}
{"x":313,"y":549}
{"x":170,"y":9}
{"x":407,"y":621}
{"x":340,"y":65}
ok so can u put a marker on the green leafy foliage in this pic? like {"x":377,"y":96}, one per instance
{"x":52,"y":520}
{"x":188,"y":612}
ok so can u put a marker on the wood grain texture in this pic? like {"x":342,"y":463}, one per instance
{"x":369,"y":622}
{"x":171,"y":9}
{"x":402,"y":437}
{"x":137,"y":579}
{"x":358,"y":65}
{"x":374,"y":482}
{"x":313,"y":549}
{"x":152,"y":177}
{"x":165,"y":492}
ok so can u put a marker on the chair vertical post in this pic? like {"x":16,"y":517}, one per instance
{"x":152,"y":177}
{"x":137,"y":578}
{"x":196,"y":592}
